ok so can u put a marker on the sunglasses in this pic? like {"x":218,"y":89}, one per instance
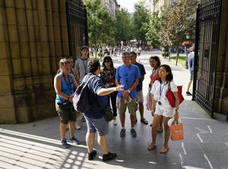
{"x":107,"y":61}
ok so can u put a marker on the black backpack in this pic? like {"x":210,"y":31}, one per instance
{"x":81,"y":100}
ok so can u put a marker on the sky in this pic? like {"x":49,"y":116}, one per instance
{"x":128,"y":4}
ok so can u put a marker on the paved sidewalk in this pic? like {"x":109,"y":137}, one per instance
{"x":37,"y":145}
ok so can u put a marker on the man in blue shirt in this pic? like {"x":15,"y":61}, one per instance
{"x":127,"y":75}
{"x":191,"y":69}
{"x":95,"y":116}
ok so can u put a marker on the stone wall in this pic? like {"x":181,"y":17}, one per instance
{"x":33,"y":36}
{"x":221,"y":97}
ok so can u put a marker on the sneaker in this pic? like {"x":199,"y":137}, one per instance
{"x":133,"y":133}
{"x":74,"y":140}
{"x":114,"y":122}
{"x":92,"y":155}
{"x":109,"y":156}
{"x":64,"y":143}
{"x":188,"y":93}
{"x":122,"y":132}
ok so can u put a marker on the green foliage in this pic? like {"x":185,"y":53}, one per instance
{"x":123,"y":26}
{"x":140,"y":21}
{"x":100,"y":24}
{"x":177,"y":21}
{"x":153,"y":29}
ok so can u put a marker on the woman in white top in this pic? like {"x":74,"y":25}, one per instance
{"x":162,"y":106}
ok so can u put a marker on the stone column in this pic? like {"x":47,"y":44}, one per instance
{"x":221,"y":94}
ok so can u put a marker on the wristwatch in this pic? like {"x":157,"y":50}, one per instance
{"x":128,"y":91}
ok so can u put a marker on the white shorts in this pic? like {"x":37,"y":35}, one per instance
{"x":162,"y":112}
{"x":140,"y":96}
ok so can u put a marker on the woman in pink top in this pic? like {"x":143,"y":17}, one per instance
{"x":155,"y":64}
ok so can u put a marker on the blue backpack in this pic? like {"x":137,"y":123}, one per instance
{"x":81,"y":100}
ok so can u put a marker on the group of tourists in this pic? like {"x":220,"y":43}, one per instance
{"x":119,"y":88}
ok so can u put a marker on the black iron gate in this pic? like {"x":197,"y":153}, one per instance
{"x":77,"y":26}
{"x":206,"y":53}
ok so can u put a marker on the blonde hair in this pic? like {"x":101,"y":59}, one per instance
{"x":63,"y":62}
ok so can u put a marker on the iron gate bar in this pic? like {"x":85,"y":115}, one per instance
{"x":208,"y":16}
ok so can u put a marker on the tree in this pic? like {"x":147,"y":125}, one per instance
{"x":153,"y":29}
{"x":123,"y":26}
{"x":177,"y":21}
{"x":140,"y":21}
{"x":100,"y":24}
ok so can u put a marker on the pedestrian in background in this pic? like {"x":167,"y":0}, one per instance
{"x":108,"y":77}
{"x":95,"y":116}
{"x":191,"y":69}
{"x":65,"y":85}
{"x":80,"y":65}
{"x":81,"y":69}
{"x":139,"y":88}
{"x":163,"y":108}
{"x":127,"y":75}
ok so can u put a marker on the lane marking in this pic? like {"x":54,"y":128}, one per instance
{"x":201,"y":140}
{"x":184,"y":150}
{"x":201,"y":131}
{"x":205,"y":156}
{"x":181,"y":159}
{"x":210,"y":129}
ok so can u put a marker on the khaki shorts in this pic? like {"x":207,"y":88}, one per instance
{"x":140,"y":96}
{"x":122,"y":105}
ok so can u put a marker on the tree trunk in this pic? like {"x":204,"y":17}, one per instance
{"x":177,"y":50}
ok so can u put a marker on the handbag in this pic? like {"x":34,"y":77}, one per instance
{"x":108,"y":115}
{"x":177,"y":132}
{"x":171,"y":98}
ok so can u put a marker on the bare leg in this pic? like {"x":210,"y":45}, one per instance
{"x":160,"y":128}
{"x":72,"y":128}
{"x":141,"y":110}
{"x":90,"y":137}
{"x":62,"y":129}
{"x":189,"y":85}
{"x":103,"y":144}
{"x":156,"y":122}
{"x":133,"y":118}
{"x":167,"y":132}
{"x":122,"y":119}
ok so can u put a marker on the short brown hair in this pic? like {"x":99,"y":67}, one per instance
{"x":93,"y":65}
{"x":84,"y":47}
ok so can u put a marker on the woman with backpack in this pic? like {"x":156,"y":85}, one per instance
{"x":108,"y":77}
{"x":163,"y":107}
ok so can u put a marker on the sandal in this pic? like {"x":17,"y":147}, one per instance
{"x":164,"y":150}
{"x":144,"y":121}
{"x":151,"y":147}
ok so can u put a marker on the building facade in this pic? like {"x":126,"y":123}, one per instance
{"x":34,"y":35}
{"x":111,"y":5}
{"x":158,"y":5}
